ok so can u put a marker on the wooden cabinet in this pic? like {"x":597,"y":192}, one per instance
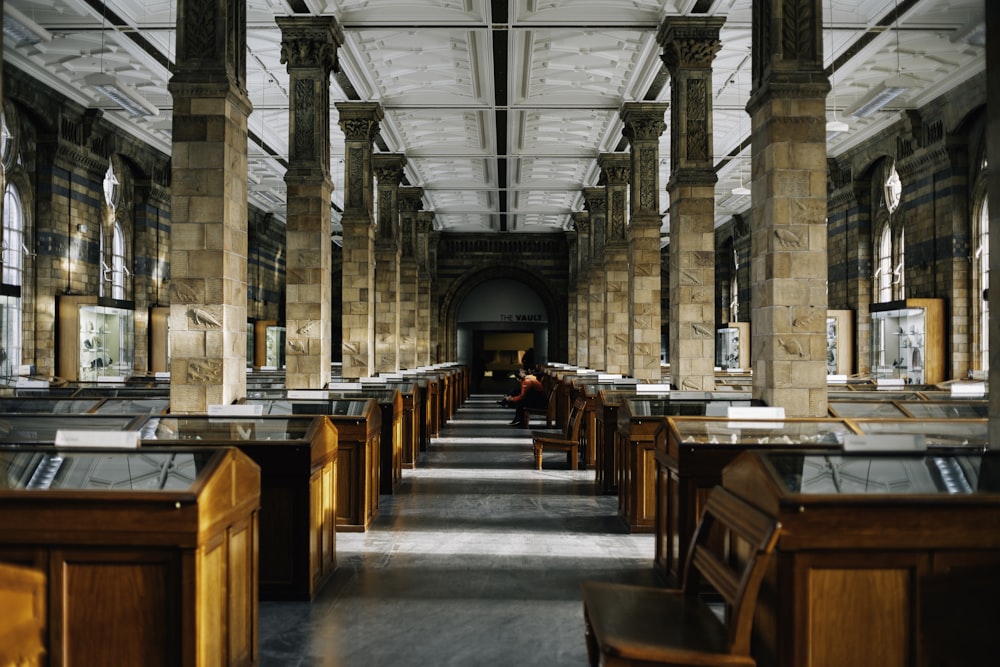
{"x":298,"y":471}
{"x":150,"y":556}
{"x":908,"y":341}
{"x":359,"y":431}
{"x":860,"y":537}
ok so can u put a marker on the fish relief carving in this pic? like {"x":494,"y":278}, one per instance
{"x":792,"y":347}
{"x":182,"y":292}
{"x":350,"y":348}
{"x":201,"y":317}
{"x":306,"y":329}
{"x":690,"y":385}
{"x":701,"y":330}
{"x":787,"y":238}
{"x":805,"y":321}
{"x":296,"y":345}
{"x":204,"y":372}
{"x":688,"y":278}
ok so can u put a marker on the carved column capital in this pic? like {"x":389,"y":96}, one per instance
{"x":595,"y":200}
{"x":689,"y":42}
{"x":310,"y":42}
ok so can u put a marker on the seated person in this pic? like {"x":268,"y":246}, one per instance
{"x":532,"y":395}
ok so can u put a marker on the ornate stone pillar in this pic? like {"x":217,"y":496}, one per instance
{"x":993,"y":186}
{"x":643,"y":127}
{"x":581,"y":288}
{"x":615,"y":171}
{"x":572,"y":274}
{"x":309,"y":50}
{"x":410,"y":203}
{"x":596,"y":201}
{"x":426,"y":329}
{"x":360,"y":123}
{"x":788,"y":233}
{"x":389,"y":174}
{"x":689,"y":47}
{"x":208,"y":287}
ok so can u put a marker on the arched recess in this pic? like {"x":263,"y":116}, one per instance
{"x":455,"y":294}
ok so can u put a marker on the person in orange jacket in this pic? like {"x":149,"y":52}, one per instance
{"x":532,"y":395}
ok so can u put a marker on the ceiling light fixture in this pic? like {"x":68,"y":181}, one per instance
{"x":887,"y":90}
{"x":835,"y":127}
{"x":22,"y":31}
{"x":123,"y":96}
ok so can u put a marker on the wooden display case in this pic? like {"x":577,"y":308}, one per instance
{"x":608,"y":448}
{"x":150,"y":556}
{"x":358,"y":422}
{"x":839,"y":342}
{"x":860,"y":537}
{"x":298,"y":476}
{"x":908,"y":341}
{"x":95,"y":338}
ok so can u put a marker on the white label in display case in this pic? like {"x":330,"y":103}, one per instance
{"x":102,"y":439}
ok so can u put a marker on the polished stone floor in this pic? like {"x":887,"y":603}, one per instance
{"x":476,"y":559}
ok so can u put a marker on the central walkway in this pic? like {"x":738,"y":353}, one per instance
{"x":476,"y":559}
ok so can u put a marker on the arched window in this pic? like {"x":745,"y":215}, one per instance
{"x":118,"y":270}
{"x":13,"y":237}
{"x":14,"y":252}
{"x":883,"y":256}
{"x":890,"y":258}
{"x":984,"y":282}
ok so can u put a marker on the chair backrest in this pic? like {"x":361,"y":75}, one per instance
{"x":733,"y":563}
{"x":574,"y":419}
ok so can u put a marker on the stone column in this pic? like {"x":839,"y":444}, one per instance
{"x":643,"y":127}
{"x":425,"y":330}
{"x":596,"y":201}
{"x":389,"y":174}
{"x":309,"y":50}
{"x":572,"y":277}
{"x":360,"y":123}
{"x":208,"y":287}
{"x":615,"y":170}
{"x":788,"y":233}
{"x":993,"y":186}
{"x":689,"y":47}
{"x":410,"y":203}
{"x":581,"y":287}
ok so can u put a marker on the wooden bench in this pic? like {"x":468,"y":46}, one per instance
{"x":645,"y":625}
{"x":567,"y":440}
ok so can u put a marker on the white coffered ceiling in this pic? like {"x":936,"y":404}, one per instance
{"x":501,"y":107}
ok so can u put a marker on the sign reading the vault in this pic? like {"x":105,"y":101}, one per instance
{"x":521,"y":317}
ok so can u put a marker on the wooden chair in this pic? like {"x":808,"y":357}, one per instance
{"x":568,"y":439}
{"x":645,"y":625}
{"x":549,"y":411}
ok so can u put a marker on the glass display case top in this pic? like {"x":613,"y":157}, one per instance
{"x":615,"y":396}
{"x":873,"y":395}
{"x":887,"y":409}
{"x":938,"y":433}
{"x":772,"y":432}
{"x":134,"y":470}
{"x":42,"y":429}
{"x":946,"y":409}
{"x":333,"y":407}
{"x":225,"y":429}
{"x":133,"y":406}
{"x":859,"y":474}
{"x":51,"y":406}
{"x":121,"y":391}
{"x":641,"y":406}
